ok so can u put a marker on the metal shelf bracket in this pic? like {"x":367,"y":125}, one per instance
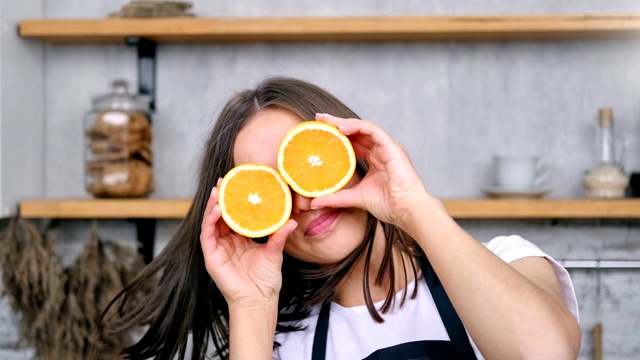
{"x":146,"y":228}
{"x":146,"y":232}
{"x":146,"y":67}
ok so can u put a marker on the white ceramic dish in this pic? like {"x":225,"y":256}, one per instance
{"x":506,"y":193}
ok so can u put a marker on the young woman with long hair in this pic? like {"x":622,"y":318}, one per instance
{"x":375,"y":270}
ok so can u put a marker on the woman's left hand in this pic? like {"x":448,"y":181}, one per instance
{"x":248,"y":274}
{"x":391,"y":188}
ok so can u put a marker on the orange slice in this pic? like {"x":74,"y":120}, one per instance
{"x":316,"y":159}
{"x":254,"y":200}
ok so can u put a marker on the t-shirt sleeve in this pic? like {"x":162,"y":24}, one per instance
{"x":511,"y":248}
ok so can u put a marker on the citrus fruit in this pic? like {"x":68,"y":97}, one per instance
{"x":316,"y":159}
{"x":254,"y":200}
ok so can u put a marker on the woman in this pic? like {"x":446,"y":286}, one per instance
{"x":361,"y":273}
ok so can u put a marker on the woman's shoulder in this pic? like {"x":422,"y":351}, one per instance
{"x":513,"y":247}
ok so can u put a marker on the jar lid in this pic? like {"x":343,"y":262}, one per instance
{"x":120,"y":99}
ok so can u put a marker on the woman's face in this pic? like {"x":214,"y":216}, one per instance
{"x":323,"y":236}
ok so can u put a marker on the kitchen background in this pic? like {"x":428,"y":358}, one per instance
{"x":452,"y":104}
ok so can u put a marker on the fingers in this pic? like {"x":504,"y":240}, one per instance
{"x":213,"y":201}
{"x":349,"y":126}
{"x":360,"y":150}
{"x":276,"y":242}
{"x":345,"y":198}
{"x":364,"y":135}
{"x":211,"y":217}
{"x":334,"y":120}
{"x":208,"y":222}
{"x":211,"y":226}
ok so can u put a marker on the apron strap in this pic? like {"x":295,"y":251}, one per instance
{"x":450,"y":318}
{"x":319,"y":349}
{"x":452,"y":322}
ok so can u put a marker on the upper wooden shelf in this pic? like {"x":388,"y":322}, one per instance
{"x":458,"y":208}
{"x":335,"y":29}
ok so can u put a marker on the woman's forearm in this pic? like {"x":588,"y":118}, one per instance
{"x":509,"y":313}
{"x":252,"y":331}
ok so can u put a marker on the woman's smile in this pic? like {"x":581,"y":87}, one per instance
{"x":322,"y":223}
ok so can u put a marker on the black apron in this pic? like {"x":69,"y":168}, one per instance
{"x":458,"y":347}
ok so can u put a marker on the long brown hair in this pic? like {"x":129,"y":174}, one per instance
{"x":175,"y":297}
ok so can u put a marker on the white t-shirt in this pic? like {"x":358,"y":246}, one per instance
{"x":353,"y":334}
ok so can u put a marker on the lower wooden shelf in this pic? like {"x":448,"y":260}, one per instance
{"x":458,"y":208}
{"x":543,"y":208}
{"x":105,"y":208}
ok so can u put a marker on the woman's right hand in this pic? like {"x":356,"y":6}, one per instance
{"x":247,"y":273}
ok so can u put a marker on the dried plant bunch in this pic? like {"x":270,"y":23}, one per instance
{"x":59,"y":308}
{"x":34,"y":282}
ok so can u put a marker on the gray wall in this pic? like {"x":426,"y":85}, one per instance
{"x":453,"y":105}
{"x":21,"y":109}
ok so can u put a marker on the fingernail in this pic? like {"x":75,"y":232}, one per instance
{"x":316,"y":207}
{"x":215,"y":208}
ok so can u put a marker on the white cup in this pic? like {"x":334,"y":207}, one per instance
{"x":520,"y":172}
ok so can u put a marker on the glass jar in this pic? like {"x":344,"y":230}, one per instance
{"x":118,"y":155}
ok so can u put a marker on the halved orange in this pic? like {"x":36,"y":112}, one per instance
{"x":254,"y":200}
{"x":316,"y":159}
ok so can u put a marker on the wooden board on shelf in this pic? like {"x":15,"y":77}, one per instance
{"x":335,"y":29}
{"x":458,"y":208}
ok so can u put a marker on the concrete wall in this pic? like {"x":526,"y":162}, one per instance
{"x":453,"y":105}
{"x":21,"y":109}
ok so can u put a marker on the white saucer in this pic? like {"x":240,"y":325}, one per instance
{"x":511,"y":193}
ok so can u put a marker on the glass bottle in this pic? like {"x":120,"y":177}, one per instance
{"x":606,"y":180}
{"x":118,"y":155}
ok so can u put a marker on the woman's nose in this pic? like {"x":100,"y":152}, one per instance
{"x":299,"y":203}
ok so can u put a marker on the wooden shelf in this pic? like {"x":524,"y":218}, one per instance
{"x":543,"y":209}
{"x":458,"y":208}
{"x":335,"y":29}
{"x":105,"y":208}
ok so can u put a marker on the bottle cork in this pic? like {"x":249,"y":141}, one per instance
{"x":605,"y":117}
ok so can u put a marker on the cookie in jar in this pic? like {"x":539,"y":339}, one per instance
{"x":118,"y":138}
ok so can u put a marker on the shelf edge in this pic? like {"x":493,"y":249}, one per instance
{"x":457,"y":208}
{"x":104,"y":208}
{"x":335,"y":29}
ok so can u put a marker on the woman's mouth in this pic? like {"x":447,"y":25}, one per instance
{"x":322,"y":223}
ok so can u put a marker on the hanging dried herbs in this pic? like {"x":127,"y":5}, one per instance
{"x":59,"y":309}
